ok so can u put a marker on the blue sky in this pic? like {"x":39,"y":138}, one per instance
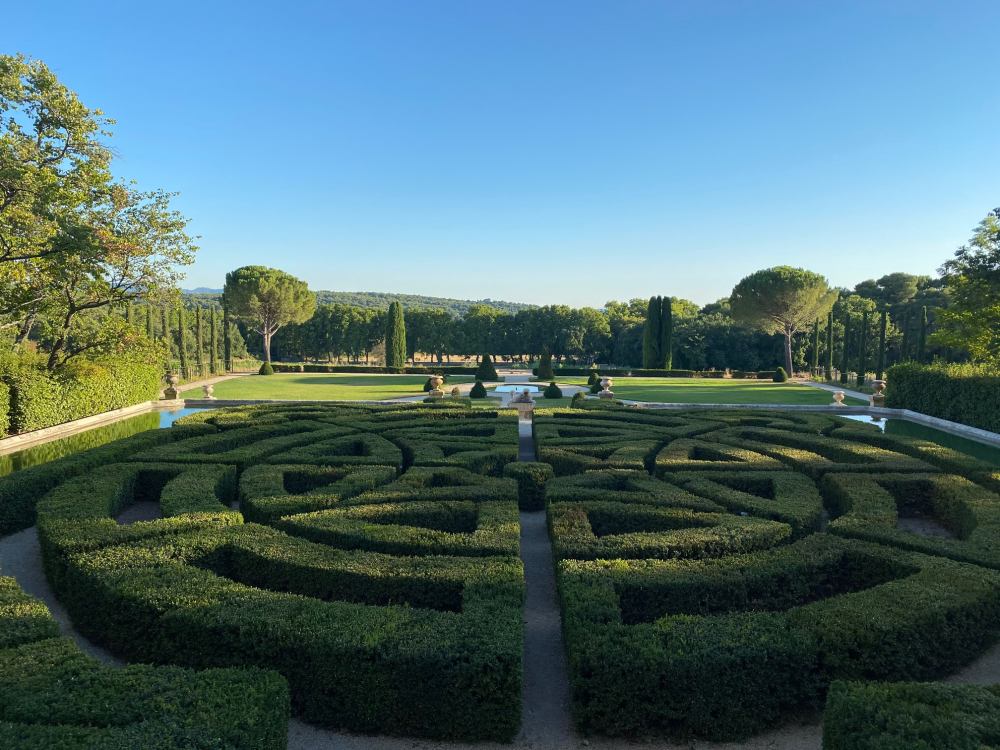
{"x":569,"y":152}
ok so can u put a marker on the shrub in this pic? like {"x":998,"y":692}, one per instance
{"x":531,"y":480}
{"x":40,"y":398}
{"x":552,"y":391}
{"x":455,"y":392}
{"x":780,"y":376}
{"x":544,"y":371}
{"x":959,"y":393}
{"x":906,"y":716}
{"x":596,"y":387}
{"x":578,"y":398}
{"x":478,"y":390}
{"x":486,"y":371}
{"x":593,"y":378}
{"x":266,"y":369}
{"x":4,"y":408}
{"x":55,"y":696}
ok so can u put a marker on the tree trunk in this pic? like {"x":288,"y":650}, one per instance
{"x":25,"y":329}
{"x":267,"y":346}
{"x":788,"y":351}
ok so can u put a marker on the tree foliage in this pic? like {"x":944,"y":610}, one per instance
{"x":782,"y":300}
{"x":395,"y":337}
{"x":267,"y":299}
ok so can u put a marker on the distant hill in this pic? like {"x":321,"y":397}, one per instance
{"x":381,"y":300}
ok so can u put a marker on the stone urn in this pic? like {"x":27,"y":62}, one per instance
{"x":878,"y":398}
{"x":606,"y":391}
{"x":436,"y":382}
{"x":170,"y":392}
{"x":208,"y":391}
{"x":524,"y":404}
{"x":838,"y":398}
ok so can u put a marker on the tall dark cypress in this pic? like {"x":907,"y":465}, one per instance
{"x":213,"y":351}
{"x":227,"y":341}
{"x":863,"y":348}
{"x":165,"y":328}
{"x":922,"y":342}
{"x":845,"y":364}
{"x":904,"y":347}
{"x":815,"y":352}
{"x":883,"y":326}
{"x":199,"y":342}
{"x":149,"y":321}
{"x":182,"y":343}
{"x":666,"y":347}
{"x":651,"y":334}
{"x":395,"y":337}
{"x":829,"y":346}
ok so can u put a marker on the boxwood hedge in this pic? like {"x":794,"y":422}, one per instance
{"x":52,"y":695}
{"x":911,"y":716}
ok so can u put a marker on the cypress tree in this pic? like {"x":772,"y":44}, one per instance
{"x":815,"y":366}
{"x":165,"y":328}
{"x":862,"y":348}
{"x":844,"y":362}
{"x":486,"y":371}
{"x":545,"y":371}
{"x":149,"y":321}
{"x":904,"y":347}
{"x":922,"y":342}
{"x":199,"y":342}
{"x":182,"y":342}
{"x":651,"y":334}
{"x":883,"y":325}
{"x":829,"y":346}
{"x":213,"y":351}
{"x":395,"y":338}
{"x":666,"y":334}
{"x":227,"y":341}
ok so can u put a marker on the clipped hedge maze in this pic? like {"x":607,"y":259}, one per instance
{"x":52,"y":695}
{"x":718,"y":570}
{"x":368,"y":554}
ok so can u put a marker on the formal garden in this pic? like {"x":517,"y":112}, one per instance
{"x":265,"y":516}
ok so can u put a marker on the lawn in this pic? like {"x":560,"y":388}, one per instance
{"x":717,"y":391}
{"x":326,"y":387}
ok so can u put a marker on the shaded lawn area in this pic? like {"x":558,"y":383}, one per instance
{"x":717,"y":391}
{"x":327,"y":386}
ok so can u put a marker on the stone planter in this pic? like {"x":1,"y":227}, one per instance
{"x":606,"y":391}
{"x":170,"y":393}
{"x":878,"y":398}
{"x":838,"y":398}
{"x":435,"y":391}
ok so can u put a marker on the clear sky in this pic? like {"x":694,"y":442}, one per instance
{"x":569,"y":152}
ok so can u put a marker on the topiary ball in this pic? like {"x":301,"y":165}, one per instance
{"x":780,"y":376}
{"x":266,"y":369}
{"x":478,"y":390}
{"x":552,"y":391}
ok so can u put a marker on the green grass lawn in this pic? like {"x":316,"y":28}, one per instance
{"x":326,"y":387}
{"x":716,"y":391}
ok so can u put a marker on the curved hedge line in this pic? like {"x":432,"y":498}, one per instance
{"x":952,"y":392}
{"x":390,"y":602}
{"x":677,"y":628}
{"x":52,"y":695}
{"x":39,"y":398}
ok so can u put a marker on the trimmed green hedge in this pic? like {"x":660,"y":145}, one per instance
{"x":55,"y":697}
{"x":595,"y":529}
{"x":911,"y":716}
{"x":531,"y":478}
{"x":4,"y":408}
{"x":725,"y":648}
{"x":957,"y":393}
{"x":622,"y":372}
{"x":868,"y":506}
{"x":367,"y":369}
{"x":39,"y":398}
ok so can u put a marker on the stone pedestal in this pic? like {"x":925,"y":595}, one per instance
{"x":170,"y":393}
{"x":878,"y":398}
